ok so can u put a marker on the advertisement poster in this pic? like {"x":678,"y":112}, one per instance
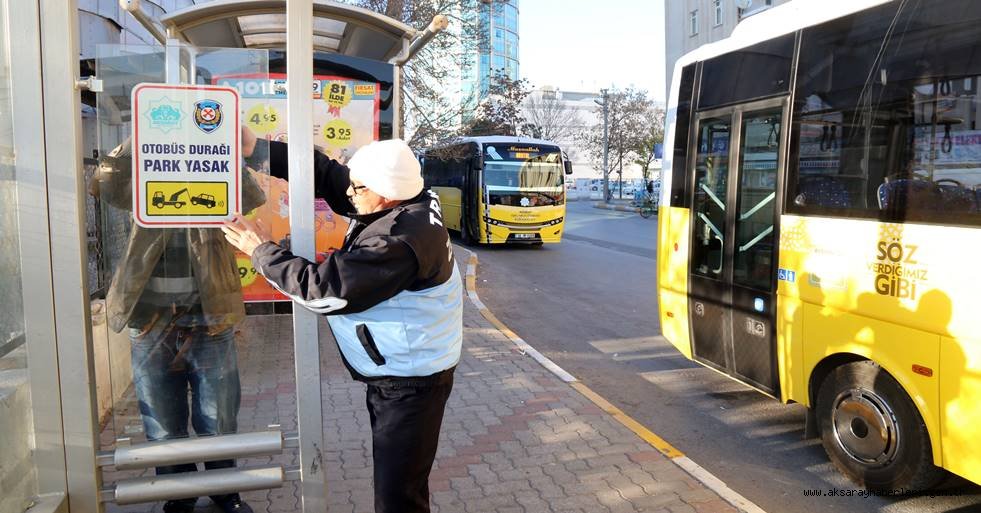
{"x":345,"y":117}
{"x":952,"y":146}
{"x":185,"y":155}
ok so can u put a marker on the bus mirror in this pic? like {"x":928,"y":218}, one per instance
{"x":568,"y":167}
{"x":475,"y":163}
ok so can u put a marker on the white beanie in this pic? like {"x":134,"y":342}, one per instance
{"x":389,"y":168}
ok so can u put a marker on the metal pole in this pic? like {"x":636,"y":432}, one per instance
{"x":606,"y":145}
{"x":190,"y":450}
{"x":195,"y":484}
{"x":66,"y":217}
{"x":133,"y":7}
{"x":397,"y":103}
{"x":172,"y":61}
{"x":306,"y":340}
{"x":35,"y":247}
{"x":439,"y":24}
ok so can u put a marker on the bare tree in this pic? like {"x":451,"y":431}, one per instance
{"x":628,"y":114}
{"x":652,"y":135}
{"x":500,"y":113}
{"x":432,"y":108}
{"x":549,"y":118}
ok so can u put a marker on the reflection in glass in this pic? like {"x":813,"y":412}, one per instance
{"x":12,"y":313}
{"x":753,"y":266}
{"x":711,"y":179}
{"x":889,"y":118}
{"x":175,"y":295}
{"x":758,"y":71}
{"x":18,"y":472}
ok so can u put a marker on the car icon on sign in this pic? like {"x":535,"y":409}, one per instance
{"x":204,"y":199}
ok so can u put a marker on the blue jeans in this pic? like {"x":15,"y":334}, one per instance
{"x":167,"y":361}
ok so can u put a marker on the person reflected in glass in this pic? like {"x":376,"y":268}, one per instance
{"x":178,"y":292}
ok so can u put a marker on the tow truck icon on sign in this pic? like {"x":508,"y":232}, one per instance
{"x":175,"y":201}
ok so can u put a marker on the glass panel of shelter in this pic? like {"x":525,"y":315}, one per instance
{"x":180,"y":357}
{"x":21,"y":475}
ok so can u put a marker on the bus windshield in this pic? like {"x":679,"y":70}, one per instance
{"x":523,"y":175}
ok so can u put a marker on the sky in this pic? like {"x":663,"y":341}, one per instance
{"x":586,"y":45}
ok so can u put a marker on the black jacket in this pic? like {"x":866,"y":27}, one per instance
{"x":392,"y":293}
{"x":403,"y":248}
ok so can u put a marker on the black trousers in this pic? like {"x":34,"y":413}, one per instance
{"x":406,"y":414}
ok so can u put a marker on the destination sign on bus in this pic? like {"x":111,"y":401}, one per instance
{"x":521,"y":153}
{"x":526,"y":153}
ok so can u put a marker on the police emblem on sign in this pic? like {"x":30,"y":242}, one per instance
{"x":207,"y":115}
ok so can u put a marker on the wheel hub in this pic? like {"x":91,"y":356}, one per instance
{"x":865,"y":426}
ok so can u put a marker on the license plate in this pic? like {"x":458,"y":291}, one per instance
{"x":524,"y":236}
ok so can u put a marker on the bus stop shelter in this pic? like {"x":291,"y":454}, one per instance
{"x":60,"y":353}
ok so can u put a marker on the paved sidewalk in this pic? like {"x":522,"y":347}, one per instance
{"x":515,"y":437}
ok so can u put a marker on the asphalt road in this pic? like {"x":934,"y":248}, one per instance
{"x":589,"y":304}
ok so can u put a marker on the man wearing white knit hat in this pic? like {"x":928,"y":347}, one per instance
{"x":392,"y":296}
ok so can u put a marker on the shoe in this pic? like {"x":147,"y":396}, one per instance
{"x":180,"y":506}
{"x":234,"y":504}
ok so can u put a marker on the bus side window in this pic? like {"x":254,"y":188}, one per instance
{"x":889,"y":131}
{"x":428,"y":166}
{"x":682,"y":121}
{"x":758,"y":71}
{"x":434,"y":171}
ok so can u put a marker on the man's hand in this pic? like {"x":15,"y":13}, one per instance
{"x":244,"y":234}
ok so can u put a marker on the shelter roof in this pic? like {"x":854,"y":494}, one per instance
{"x":337,"y":28}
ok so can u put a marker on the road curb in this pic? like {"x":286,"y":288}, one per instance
{"x":677,"y":457}
{"x":471,"y":282}
{"x":618,"y":208}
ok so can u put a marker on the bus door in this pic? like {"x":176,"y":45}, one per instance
{"x":471,"y":196}
{"x":736,"y":161}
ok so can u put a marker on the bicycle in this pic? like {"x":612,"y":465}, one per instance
{"x":647,"y":208}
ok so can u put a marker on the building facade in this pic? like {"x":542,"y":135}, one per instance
{"x":496,"y":52}
{"x":498,"y":21}
{"x":568,"y":113}
{"x":689,"y":24}
{"x":485,"y":35}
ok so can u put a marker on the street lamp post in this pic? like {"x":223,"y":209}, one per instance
{"x":606,"y":143}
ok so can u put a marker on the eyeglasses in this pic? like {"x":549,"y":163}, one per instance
{"x":356,"y":188}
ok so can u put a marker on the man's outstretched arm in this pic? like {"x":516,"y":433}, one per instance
{"x":331,"y":178}
{"x":349,"y":281}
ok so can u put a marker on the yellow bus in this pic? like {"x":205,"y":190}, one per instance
{"x":819,"y":219}
{"x":499,"y":189}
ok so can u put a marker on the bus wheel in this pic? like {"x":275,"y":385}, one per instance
{"x":872,"y":431}
{"x":465,"y":237}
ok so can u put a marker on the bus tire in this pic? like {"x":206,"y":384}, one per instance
{"x":465,"y":236}
{"x":855,"y":404}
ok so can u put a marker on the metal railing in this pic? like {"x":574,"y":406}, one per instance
{"x":191,"y":450}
